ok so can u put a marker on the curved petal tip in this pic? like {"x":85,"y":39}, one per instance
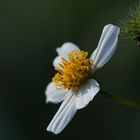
{"x":106,"y":47}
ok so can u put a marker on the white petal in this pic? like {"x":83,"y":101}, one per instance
{"x":106,"y":46}
{"x":57,"y":61}
{"x":86,"y":93}
{"x":65,"y":49}
{"x":64,"y":115}
{"x":53,"y":95}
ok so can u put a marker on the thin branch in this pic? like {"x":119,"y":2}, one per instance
{"x":120,"y":100}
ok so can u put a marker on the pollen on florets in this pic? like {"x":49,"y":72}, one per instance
{"x":74,"y":71}
{"x":130,"y":27}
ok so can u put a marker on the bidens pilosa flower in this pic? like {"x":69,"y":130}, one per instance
{"x":73,"y":83}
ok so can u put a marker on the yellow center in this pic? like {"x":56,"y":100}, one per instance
{"x":74,"y":71}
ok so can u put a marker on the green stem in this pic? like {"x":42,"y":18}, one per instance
{"x":125,"y":102}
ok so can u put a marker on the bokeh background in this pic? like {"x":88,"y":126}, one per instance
{"x":30,"y":31}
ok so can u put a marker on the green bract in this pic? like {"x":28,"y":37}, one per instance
{"x":130,"y":27}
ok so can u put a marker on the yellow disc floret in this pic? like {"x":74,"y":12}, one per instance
{"x":74,"y":71}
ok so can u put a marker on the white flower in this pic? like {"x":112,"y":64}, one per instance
{"x":73,"y":84}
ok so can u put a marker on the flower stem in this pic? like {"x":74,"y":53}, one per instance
{"x":120,"y":100}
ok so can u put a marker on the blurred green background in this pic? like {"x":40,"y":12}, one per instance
{"x":30,"y":31}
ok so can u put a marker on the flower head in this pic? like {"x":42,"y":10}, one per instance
{"x":73,"y":83}
{"x":130,"y":27}
{"x":73,"y":72}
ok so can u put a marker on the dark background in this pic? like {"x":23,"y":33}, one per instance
{"x":30,"y":31}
